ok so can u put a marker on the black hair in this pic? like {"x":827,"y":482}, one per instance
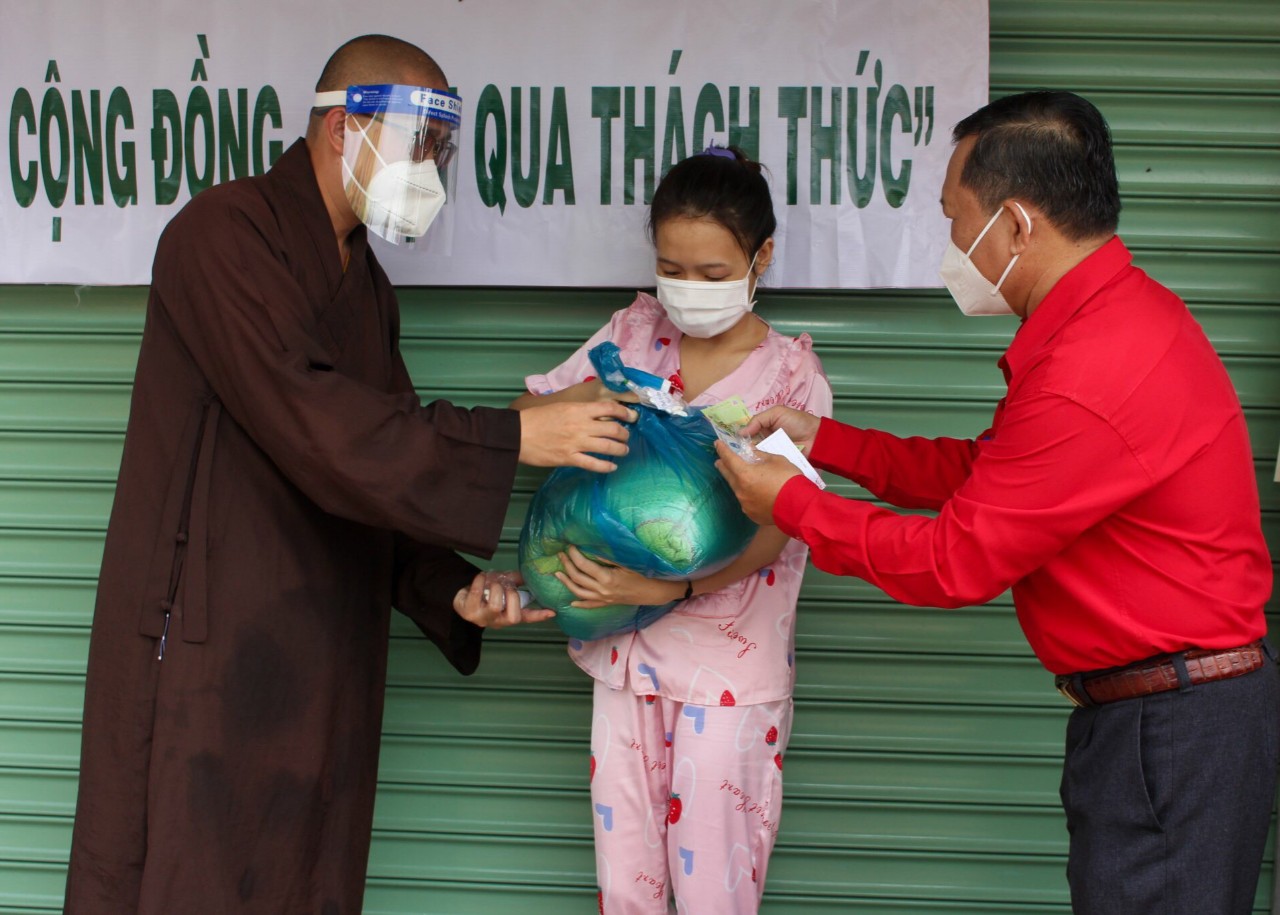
{"x":1050,"y":148}
{"x":720,"y":184}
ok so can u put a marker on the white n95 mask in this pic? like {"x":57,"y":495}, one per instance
{"x":973,"y":292}
{"x":397,"y":154}
{"x":706,"y":309}
{"x":401,"y":199}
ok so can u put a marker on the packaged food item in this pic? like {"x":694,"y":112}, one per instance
{"x":665,"y":512}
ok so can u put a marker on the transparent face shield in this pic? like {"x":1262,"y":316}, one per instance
{"x":398,"y":158}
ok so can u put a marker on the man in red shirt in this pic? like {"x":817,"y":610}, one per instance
{"x":1114,"y":493}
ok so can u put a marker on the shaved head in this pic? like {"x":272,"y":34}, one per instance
{"x":373,"y":59}
{"x":369,"y":60}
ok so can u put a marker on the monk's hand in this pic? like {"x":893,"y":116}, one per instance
{"x":492,"y":602}
{"x":573,"y":434}
{"x":755,"y":484}
{"x":801,"y":427}
{"x":599,"y":584}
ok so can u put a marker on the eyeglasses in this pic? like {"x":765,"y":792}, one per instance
{"x":425,"y":142}
{"x":427,"y":145}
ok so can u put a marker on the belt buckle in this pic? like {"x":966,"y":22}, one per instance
{"x":1065,"y":686}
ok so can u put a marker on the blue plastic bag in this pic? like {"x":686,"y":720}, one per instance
{"x":665,"y":512}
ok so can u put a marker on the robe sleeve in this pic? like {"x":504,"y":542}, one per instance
{"x":427,"y":577}
{"x":438,"y":473}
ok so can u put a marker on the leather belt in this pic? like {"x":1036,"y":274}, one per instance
{"x":1160,"y":674}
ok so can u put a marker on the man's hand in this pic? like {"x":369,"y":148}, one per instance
{"x":801,"y":427}
{"x":568,"y":434}
{"x":756,"y":485}
{"x":492,"y":602}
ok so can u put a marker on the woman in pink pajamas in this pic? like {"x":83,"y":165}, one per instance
{"x":692,"y":714}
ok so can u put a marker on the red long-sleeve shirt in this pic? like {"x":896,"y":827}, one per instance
{"x":1114,"y":492}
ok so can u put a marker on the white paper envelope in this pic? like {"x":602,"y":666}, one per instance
{"x":780,"y":443}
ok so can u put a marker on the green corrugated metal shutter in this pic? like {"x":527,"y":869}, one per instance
{"x":923,"y":770}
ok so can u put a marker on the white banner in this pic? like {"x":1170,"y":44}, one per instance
{"x":118,"y":112}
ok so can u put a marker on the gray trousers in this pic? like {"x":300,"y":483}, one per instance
{"x":1168,"y":798}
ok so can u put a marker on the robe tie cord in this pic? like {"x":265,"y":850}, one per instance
{"x":1161,"y":674}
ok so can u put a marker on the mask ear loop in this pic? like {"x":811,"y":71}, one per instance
{"x":364,"y":135}
{"x":751,"y":274}
{"x":1000,"y":282}
{"x":983,"y":234}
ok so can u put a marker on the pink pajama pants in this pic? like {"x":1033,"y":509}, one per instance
{"x":686,"y":801}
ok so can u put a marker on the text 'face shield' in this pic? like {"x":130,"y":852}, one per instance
{"x":399,"y":156}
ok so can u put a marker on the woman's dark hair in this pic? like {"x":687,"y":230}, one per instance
{"x":720,"y":184}
{"x":1051,"y":148}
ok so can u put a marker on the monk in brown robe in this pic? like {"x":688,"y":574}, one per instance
{"x":282,"y":488}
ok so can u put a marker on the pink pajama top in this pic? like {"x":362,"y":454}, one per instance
{"x":735,"y":646}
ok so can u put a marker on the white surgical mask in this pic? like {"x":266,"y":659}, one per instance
{"x":705,"y":309}
{"x":973,"y":292}
{"x":402,"y":198}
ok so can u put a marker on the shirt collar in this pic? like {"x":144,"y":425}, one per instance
{"x":1067,"y":296}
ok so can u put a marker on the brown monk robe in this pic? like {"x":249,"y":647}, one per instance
{"x":274,"y":446}
{"x":281,"y":488}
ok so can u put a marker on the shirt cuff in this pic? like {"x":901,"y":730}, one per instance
{"x":794,"y":499}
